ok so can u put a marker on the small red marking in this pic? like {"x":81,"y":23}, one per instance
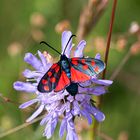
{"x":49,"y":74}
{"x":75,"y":58}
{"x":92,"y":62}
{"x":83,"y":60}
{"x":44,"y":82}
{"x":57,"y":69}
{"x":96,"y":69}
{"x":53,"y":80}
{"x":85,"y":67}
{"x":75,"y":62}
{"x":46,"y":88}
{"x":54,"y":65}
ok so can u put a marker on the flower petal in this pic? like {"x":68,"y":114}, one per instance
{"x":86,"y":83}
{"x":71,"y":134}
{"x":47,"y":131}
{"x":62,"y":128}
{"x":51,"y":125}
{"x":54,"y":124}
{"x":86,"y":115}
{"x":70,"y":123}
{"x":80,"y":97}
{"x":36,"y":113}
{"x":102,"y":82}
{"x":79,"y":49}
{"x":97,"y":90}
{"x":65,"y":37}
{"x":46,"y":119}
{"x":26,"y":104}
{"x":26,"y":87}
{"x":68,"y":107}
{"x":99,"y":116}
{"x":56,"y":97}
{"x":70,"y":98}
{"x":46,"y":65}
{"x":76,"y":108}
{"x":98,"y":56}
{"x":33,"y":61}
{"x":31,"y":74}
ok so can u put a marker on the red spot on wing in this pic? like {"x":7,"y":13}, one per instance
{"x":75,"y":58}
{"x":53,"y":80}
{"x":63,"y":82}
{"x":57,"y":69}
{"x":54,"y":65}
{"x":44,"y":82}
{"x":92,"y":62}
{"x":49,"y":74}
{"x":96,"y":69}
{"x":46,"y":88}
{"x":85,"y":67}
{"x":74,"y":62}
{"x":83,"y":61}
{"x":78,"y":76}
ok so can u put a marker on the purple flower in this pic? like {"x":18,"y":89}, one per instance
{"x":61,"y":103}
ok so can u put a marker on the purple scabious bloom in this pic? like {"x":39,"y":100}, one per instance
{"x":61,"y":104}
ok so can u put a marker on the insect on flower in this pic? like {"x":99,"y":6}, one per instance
{"x":68,"y":73}
{"x":74,"y":101}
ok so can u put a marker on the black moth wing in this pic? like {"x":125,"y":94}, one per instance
{"x":50,"y":80}
{"x":89,"y":66}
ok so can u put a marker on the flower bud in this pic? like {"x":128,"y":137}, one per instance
{"x":37,"y":20}
{"x":121,"y":44}
{"x":14,"y":48}
{"x":134,"y":28}
{"x":135,"y":48}
{"x":62,"y":26}
{"x":37,"y":35}
{"x":48,"y":56}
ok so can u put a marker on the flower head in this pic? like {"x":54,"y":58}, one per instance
{"x":61,"y":103}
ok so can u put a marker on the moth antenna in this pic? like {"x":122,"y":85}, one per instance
{"x":68,"y":42}
{"x":43,"y":42}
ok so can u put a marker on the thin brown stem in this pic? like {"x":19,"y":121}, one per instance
{"x":112,"y":77}
{"x":8,"y":100}
{"x":109,"y":36}
{"x":95,"y":127}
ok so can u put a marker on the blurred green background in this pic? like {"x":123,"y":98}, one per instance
{"x":23,"y":24}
